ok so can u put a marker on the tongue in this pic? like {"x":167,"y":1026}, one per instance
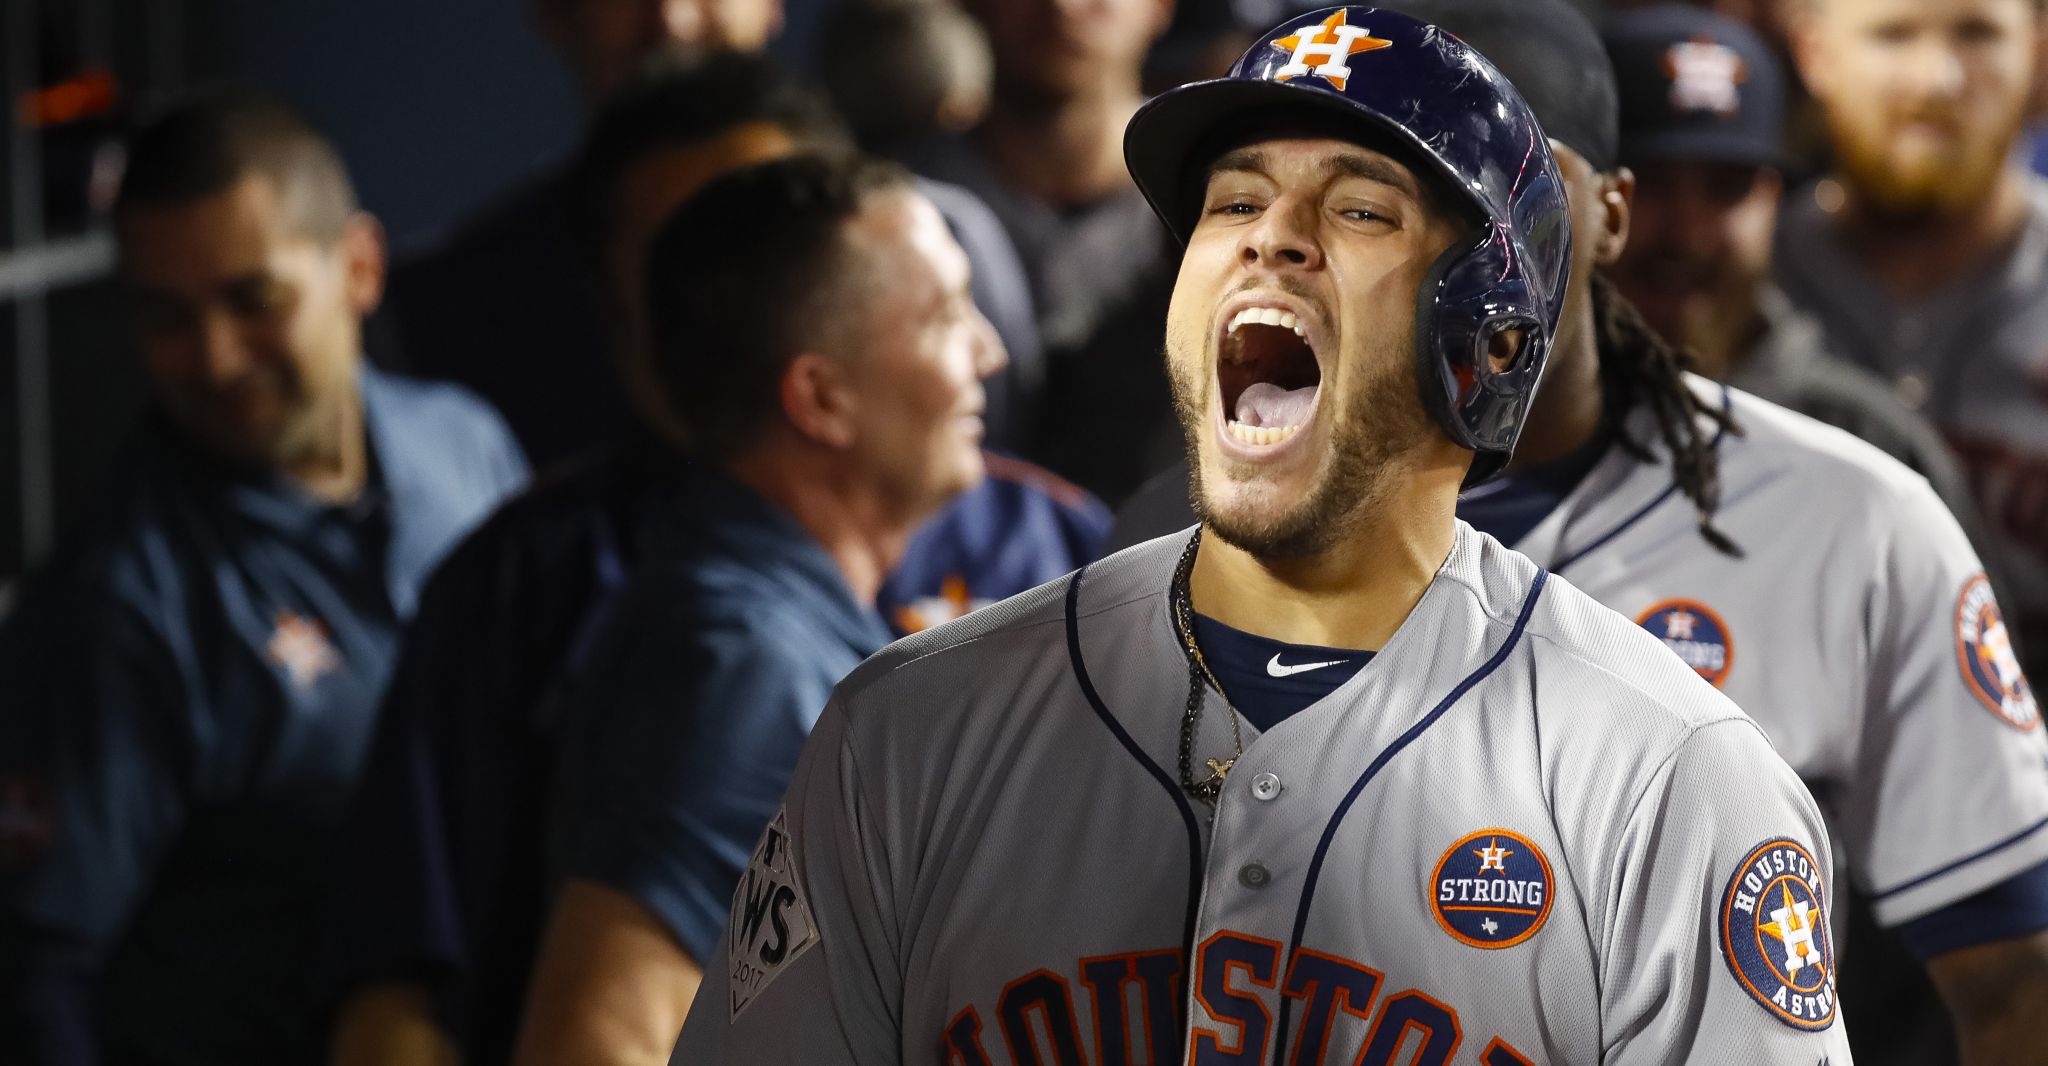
{"x":1267,"y":404}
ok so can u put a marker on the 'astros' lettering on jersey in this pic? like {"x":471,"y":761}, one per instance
{"x":1514,"y":837}
{"x":1856,"y":628}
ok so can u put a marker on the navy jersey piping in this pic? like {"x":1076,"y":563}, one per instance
{"x":1727,"y":408}
{"x":1315,"y":866}
{"x":1187,"y":814}
{"x":1966,"y":860}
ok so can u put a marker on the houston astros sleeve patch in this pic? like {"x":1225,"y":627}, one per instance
{"x":1774,"y":933}
{"x":771,"y":922}
{"x":1984,"y":653}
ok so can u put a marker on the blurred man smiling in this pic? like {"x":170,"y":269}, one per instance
{"x":194,"y":682}
{"x":1921,"y":253}
{"x":1702,"y":119}
{"x":819,"y":344}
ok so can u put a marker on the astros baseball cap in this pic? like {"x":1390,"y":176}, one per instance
{"x":1552,"y":53}
{"x":1696,"y":86}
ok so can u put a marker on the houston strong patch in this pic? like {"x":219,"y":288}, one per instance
{"x":771,"y":920}
{"x":1492,"y":889}
{"x":1774,"y":934}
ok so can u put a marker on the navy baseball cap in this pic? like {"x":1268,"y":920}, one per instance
{"x":1553,"y":56}
{"x":1696,"y":86}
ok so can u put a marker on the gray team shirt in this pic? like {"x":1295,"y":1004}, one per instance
{"x":1857,"y":627}
{"x":1973,"y":354}
{"x":1524,"y":833}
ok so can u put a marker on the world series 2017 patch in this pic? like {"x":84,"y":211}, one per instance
{"x":1774,"y":934}
{"x":1984,"y":653}
{"x":771,"y":921}
{"x":1696,"y":633}
{"x":1492,"y":889}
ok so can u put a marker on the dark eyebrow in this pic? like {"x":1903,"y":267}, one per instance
{"x":1376,"y":168}
{"x":1240,"y":161}
{"x":1345,"y":164}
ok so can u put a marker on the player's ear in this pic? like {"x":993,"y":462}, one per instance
{"x":1617,"y":212}
{"x":1503,"y":347}
{"x":363,"y":261}
{"x":819,"y":401}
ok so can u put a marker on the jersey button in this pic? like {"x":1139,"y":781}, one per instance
{"x":1265,"y":786}
{"x":1253,"y":876}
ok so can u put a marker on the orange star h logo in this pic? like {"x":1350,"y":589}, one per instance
{"x":1332,"y":41}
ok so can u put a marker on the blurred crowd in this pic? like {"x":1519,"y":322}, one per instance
{"x":428,"y":710}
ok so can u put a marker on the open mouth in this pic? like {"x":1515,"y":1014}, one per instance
{"x":1268,"y":375}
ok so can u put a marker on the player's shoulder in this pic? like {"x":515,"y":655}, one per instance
{"x":552,"y":534}
{"x":1595,"y":669}
{"x":141,"y":541}
{"x":440,"y":408}
{"x":1005,"y":639}
{"x":1023,"y":486}
{"x":1776,"y":443}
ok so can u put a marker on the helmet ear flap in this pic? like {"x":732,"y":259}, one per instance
{"x":1475,"y":293}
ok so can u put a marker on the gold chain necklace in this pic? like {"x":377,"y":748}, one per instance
{"x":1199,"y":674}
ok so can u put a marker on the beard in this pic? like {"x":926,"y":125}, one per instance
{"x":1365,"y":455}
{"x":1924,"y":184}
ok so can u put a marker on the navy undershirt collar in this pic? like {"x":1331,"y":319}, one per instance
{"x":1265,"y":679}
{"x":1512,"y":505}
{"x":1269,"y":680}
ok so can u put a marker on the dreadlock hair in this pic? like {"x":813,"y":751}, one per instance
{"x":1638,"y":366}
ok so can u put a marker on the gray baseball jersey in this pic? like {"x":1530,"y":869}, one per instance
{"x":1524,"y":833}
{"x":1972,"y":355}
{"x":1857,"y":628}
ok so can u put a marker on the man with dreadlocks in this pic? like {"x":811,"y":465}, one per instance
{"x":1813,"y":579}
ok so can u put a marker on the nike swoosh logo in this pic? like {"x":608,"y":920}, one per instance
{"x":1275,"y":669}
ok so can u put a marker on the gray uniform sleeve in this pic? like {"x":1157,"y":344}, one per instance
{"x":1948,"y":797}
{"x":1715,"y":943}
{"x":807,"y":969}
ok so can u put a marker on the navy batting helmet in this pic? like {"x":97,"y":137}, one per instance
{"x":1445,"y":105}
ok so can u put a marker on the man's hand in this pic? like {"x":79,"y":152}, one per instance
{"x":1997,"y":993}
{"x":390,"y":1024}
{"x":611,"y":987}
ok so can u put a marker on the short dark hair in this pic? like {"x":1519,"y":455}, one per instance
{"x":205,"y":143}
{"x":749,"y":273}
{"x":889,"y":65}
{"x":681,"y":104}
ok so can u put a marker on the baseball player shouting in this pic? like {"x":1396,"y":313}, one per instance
{"x":1816,"y":582}
{"x":1489,"y":822}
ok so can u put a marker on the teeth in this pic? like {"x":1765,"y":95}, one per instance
{"x":1266,"y":316}
{"x":1260,"y":435}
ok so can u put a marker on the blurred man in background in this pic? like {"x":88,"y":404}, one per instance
{"x":501,"y":304}
{"x":1702,"y":108}
{"x":1049,"y":161}
{"x":443,"y":886}
{"x":825,"y":437}
{"x":504,"y":305}
{"x":1923,"y":252}
{"x":443,"y":891}
{"x":906,"y":71}
{"x":193,"y":683}
{"x":607,"y":42}
{"x":1702,"y":116}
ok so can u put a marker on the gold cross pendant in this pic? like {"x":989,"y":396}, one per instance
{"x":1220,"y":768}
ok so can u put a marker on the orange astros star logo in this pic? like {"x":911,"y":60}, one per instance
{"x":1332,"y":42}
